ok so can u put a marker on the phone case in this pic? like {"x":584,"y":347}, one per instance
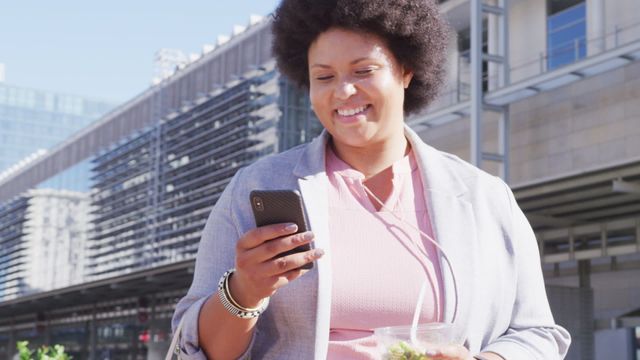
{"x":280,"y":206}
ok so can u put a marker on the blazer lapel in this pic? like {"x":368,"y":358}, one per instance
{"x":453,"y":227}
{"x":313,"y":183}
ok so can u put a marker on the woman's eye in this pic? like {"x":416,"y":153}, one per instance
{"x":364,"y":71}
{"x":323,"y":78}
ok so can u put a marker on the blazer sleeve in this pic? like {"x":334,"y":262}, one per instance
{"x":216,"y":254}
{"x":532,"y":333}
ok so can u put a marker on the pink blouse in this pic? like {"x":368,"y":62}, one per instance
{"x":379,"y":263}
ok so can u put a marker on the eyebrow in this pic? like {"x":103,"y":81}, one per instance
{"x":351,"y":63}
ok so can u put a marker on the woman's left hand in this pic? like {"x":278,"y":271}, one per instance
{"x":449,"y":352}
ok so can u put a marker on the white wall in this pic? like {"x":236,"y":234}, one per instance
{"x":595,"y":26}
{"x":625,"y":14}
{"x":527,"y":37}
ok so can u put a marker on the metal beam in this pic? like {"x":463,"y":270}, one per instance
{"x":477,"y":93}
{"x":613,"y":212}
{"x":621,"y":186}
{"x":493,"y":58}
{"x":492,"y":157}
{"x":579,"y":179}
{"x":495,"y":10}
{"x":590,"y":204}
{"x":538,"y":219}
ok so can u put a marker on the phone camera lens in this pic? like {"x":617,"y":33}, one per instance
{"x":258,"y":203}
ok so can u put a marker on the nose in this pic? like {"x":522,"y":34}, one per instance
{"x":345,"y":89}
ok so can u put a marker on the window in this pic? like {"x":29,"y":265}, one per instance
{"x":464,"y":49}
{"x":566,"y":32}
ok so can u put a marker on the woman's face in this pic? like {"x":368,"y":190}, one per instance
{"x":356,"y":87}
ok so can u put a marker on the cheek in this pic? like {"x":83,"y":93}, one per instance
{"x":390,"y":84}
{"x":317,"y":97}
{"x":379,"y":88}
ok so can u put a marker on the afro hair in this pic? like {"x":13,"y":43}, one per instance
{"x":413,"y":29}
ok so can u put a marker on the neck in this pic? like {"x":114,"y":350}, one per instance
{"x":374,"y":158}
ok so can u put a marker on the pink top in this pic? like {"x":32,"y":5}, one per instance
{"x":379,"y":263}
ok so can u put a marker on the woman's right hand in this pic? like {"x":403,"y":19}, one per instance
{"x":259,"y":273}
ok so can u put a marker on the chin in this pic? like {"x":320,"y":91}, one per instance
{"x":352,"y":139}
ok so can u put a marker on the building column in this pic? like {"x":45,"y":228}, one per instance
{"x":11,"y":350}
{"x":596,"y":42}
{"x":93,"y":336}
{"x":47,"y":331}
{"x":86,"y":343}
{"x":133,"y":341}
{"x":584,"y":274}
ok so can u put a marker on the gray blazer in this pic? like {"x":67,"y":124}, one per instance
{"x":502,"y":301}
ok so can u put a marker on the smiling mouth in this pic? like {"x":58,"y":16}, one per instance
{"x":352,"y":112}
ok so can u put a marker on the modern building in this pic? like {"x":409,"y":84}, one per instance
{"x":42,"y":240}
{"x":551,"y":106}
{"x":153,"y":193}
{"x":33,"y":121}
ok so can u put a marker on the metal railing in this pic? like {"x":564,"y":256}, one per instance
{"x":458,"y":88}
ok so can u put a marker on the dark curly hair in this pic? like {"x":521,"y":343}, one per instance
{"x":413,"y":29}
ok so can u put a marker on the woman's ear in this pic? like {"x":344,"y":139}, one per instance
{"x":406,"y":78}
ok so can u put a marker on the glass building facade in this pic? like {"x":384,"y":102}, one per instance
{"x":12,"y":248}
{"x":566,"y":32}
{"x":33,"y":120}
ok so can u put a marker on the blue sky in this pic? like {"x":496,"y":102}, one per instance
{"x":104,"y":50}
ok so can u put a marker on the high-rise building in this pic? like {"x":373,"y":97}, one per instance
{"x":42,"y":241}
{"x":32,"y":121}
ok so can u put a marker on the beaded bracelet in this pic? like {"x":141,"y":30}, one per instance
{"x":232,"y":305}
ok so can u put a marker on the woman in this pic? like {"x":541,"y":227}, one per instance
{"x":372,"y":191}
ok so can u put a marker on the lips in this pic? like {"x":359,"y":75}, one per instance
{"x":351,"y":111}
{"x":351,"y":115}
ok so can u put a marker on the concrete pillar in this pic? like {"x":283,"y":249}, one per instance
{"x":86,"y":343}
{"x":133,"y":351}
{"x":93,"y":336}
{"x":47,"y":331}
{"x":12,"y":340}
{"x":595,"y":27}
{"x":584,"y":273}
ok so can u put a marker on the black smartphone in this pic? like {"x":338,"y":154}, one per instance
{"x":280,"y":206}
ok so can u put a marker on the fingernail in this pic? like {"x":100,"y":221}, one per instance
{"x":318,"y":252}
{"x":308,"y":235}
{"x":291,"y":227}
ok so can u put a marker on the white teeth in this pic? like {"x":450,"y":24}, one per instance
{"x":351,"y":112}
